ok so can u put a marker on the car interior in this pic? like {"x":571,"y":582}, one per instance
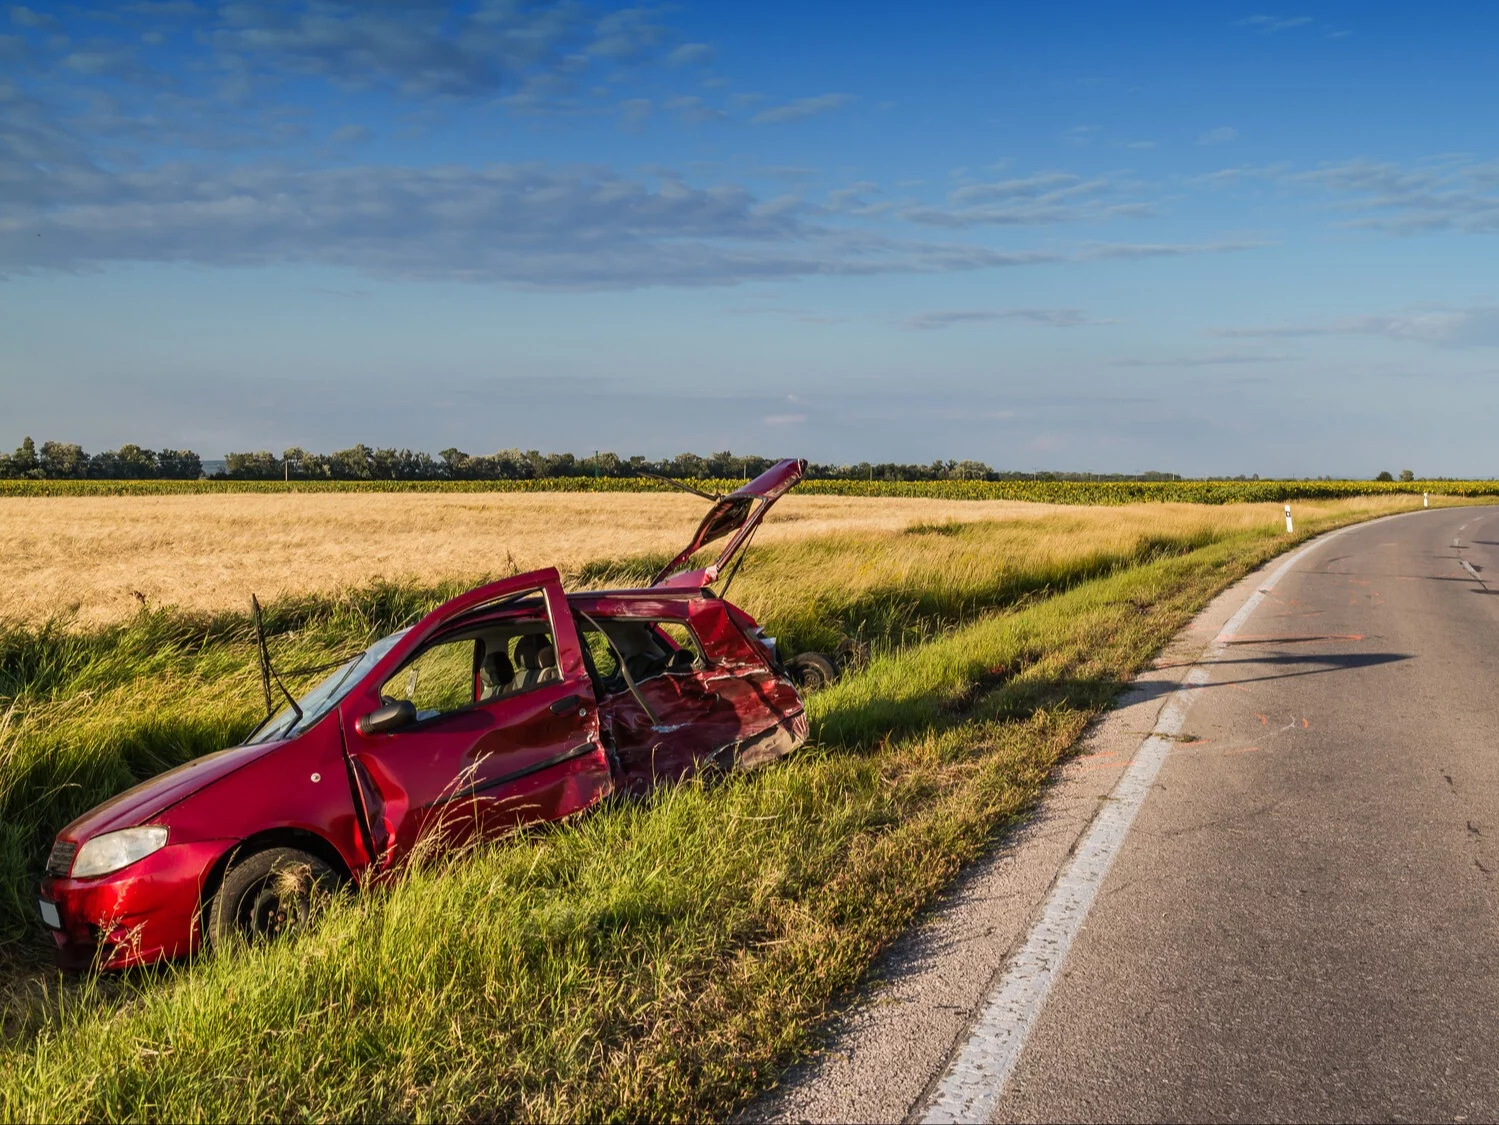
{"x":648,"y":648}
{"x":495,"y":660}
{"x":480,"y":664}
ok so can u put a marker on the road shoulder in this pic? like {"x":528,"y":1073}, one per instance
{"x":884,"y":1053}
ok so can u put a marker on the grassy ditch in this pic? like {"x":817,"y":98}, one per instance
{"x":87,"y":714}
{"x":656,"y":960}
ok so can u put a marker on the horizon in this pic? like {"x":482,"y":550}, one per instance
{"x":214,"y":466}
{"x":1236,"y":240}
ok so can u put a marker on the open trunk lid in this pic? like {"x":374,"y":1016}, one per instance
{"x":737,"y":514}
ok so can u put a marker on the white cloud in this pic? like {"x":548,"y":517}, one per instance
{"x":1217,"y":359}
{"x":23,"y":16}
{"x":691,"y":54}
{"x":1443,"y":325}
{"x":1222,"y":135}
{"x":785,"y":419}
{"x":634,"y":111}
{"x":1269,"y":25}
{"x":522,"y":224}
{"x":1166,"y":249}
{"x":801,"y":109}
{"x":1035,"y":200}
{"x":693,"y":110}
{"x":1445,"y":194}
{"x":1055,"y":318}
{"x":1227,"y":177}
{"x":1442,"y":193}
{"x":424,"y":50}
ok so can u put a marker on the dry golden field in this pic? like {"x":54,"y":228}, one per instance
{"x":93,"y":558}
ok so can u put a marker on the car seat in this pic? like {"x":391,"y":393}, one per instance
{"x":547,"y":657}
{"x":537,"y":661}
{"x":495,"y":674}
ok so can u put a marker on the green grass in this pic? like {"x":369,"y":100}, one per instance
{"x":90,"y":714}
{"x":653,"y":960}
{"x":1051,"y":492}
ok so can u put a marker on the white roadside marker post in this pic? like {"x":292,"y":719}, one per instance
{"x":1425,"y":499}
{"x":1288,"y":519}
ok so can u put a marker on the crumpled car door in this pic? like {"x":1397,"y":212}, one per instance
{"x":485,"y":768}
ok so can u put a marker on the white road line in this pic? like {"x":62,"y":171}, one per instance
{"x":974,"y":1081}
{"x":1473,"y":570}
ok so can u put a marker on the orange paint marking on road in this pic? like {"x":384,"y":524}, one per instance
{"x":1243,"y":750}
{"x":1264,"y":720}
{"x":1305,"y":724}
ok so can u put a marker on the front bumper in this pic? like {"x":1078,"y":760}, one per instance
{"x":139,"y":914}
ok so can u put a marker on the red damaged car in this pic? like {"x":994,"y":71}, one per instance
{"x":514,"y":703}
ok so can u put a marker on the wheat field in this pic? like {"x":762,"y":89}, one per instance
{"x":96,"y":560}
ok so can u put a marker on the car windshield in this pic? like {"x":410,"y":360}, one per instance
{"x":322,"y":698}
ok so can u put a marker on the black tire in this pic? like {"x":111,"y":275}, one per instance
{"x":267,"y":894}
{"x":851,"y":655}
{"x":811,"y":670}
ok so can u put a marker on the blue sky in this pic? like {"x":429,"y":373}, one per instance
{"x":1197,"y":237}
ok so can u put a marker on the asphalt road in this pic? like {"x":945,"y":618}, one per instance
{"x":1301,"y":922}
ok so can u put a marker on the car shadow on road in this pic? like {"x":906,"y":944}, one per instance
{"x":1109,"y":693}
{"x":1302,"y":663}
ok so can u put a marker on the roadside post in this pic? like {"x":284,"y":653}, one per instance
{"x":1425,"y":499}
{"x":1288,"y":519}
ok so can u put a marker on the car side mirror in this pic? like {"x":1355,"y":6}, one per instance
{"x":393,"y":716}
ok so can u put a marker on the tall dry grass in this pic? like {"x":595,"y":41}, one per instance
{"x":95,"y":558}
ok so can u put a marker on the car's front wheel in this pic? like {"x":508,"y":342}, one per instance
{"x":268,"y":893}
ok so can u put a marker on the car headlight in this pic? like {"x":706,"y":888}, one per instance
{"x":115,"y":850}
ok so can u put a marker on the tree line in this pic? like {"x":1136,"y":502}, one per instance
{"x":361,"y":462}
{"x":63,"y":460}
{"x":56,"y":460}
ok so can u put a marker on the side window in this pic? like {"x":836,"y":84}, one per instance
{"x":689,"y":654}
{"x":438,"y":680}
{"x":515,"y":659}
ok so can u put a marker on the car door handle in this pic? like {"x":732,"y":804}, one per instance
{"x":566,"y":703}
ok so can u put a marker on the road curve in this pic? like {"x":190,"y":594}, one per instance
{"x":1300,"y":922}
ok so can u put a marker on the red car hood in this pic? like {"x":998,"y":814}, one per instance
{"x":152,"y":797}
